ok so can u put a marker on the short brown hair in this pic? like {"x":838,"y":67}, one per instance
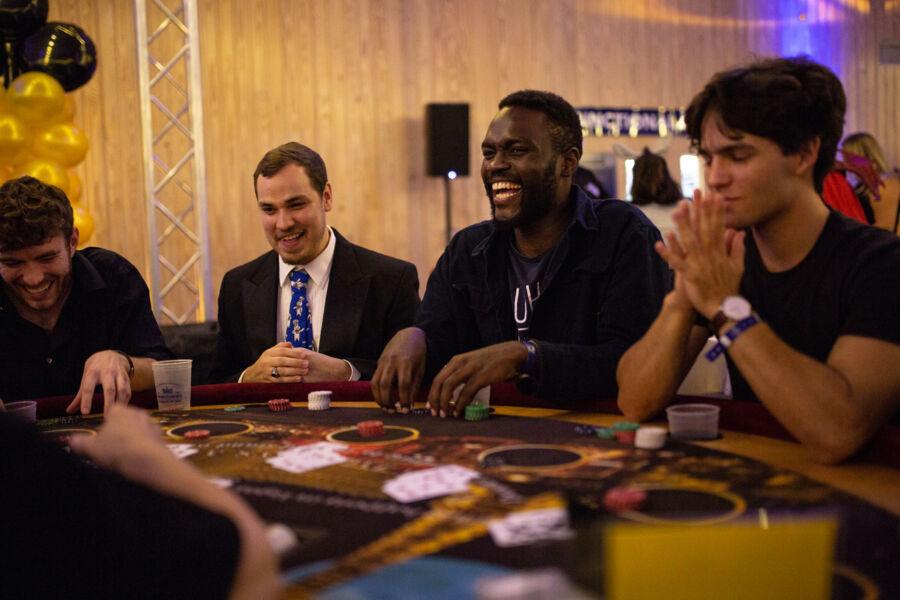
{"x":32,"y":212}
{"x":293,"y":153}
{"x":789,"y":101}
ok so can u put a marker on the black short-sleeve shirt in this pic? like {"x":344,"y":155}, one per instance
{"x":848,"y":284}
{"x":107,"y":309}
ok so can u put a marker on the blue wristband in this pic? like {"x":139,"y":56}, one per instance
{"x":732,"y":334}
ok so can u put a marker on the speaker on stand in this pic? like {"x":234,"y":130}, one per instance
{"x":447,"y":147}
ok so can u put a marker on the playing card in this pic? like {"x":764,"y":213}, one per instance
{"x":182,"y":450}
{"x":429,"y":483}
{"x":530,"y":526}
{"x":300,"y":459}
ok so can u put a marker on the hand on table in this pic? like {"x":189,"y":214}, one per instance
{"x":474,"y":370}
{"x":108,"y":369}
{"x":401,"y":367}
{"x":708,"y":259}
{"x":290,"y":364}
{"x":129,"y":442}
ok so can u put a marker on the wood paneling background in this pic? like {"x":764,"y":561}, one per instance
{"x":350,"y":78}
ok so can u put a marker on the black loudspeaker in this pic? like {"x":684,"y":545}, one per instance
{"x":447,"y":139}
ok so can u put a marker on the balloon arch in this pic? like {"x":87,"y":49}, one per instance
{"x":41,"y":62}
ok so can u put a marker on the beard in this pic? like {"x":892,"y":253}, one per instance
{"x":537,"y":200}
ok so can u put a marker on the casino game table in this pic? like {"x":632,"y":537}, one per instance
{"x":531,"y":487}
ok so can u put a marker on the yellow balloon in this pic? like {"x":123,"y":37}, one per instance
{"x":46,"y":171}
{"x":36,"y":97}
{"x":14,"y":139}
{"x":85,"y":224}
{"x":68,"y":111}
{"x":74,"y":186}
{"x":63,"y":143}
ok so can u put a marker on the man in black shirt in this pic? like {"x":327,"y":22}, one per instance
{"x":550,"y":292}
{"x":69,"y":320}
{"x":803,"y":300}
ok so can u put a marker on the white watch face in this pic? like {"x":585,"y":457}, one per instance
{"x":736,"y":308}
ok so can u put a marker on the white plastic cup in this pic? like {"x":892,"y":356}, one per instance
{"x":25,"y":410}
{"x":173,"y":384}
{"x":693,"y":421}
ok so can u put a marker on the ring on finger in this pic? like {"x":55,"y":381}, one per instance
{"x":275,"y":373}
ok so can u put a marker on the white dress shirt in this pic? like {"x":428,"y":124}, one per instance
{"x":319,"y":270}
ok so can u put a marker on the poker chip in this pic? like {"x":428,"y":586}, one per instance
{"x":624,"y":499}
{"x":279,"y":404}
{"x":585,"y":429}
{"x":476,"y":412}
{"x":650,"y":438}
{"x":197,"y":434}
{"x":319,"y":400}
{"x":625,"y":426}
{"x":234,"y":408}
{"x":624,"y":436}
{"x":605,"y":433}
{"x":370,"y":429}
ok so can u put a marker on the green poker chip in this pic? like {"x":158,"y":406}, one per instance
{"x":625,"y":426}
{"x":605,"y":433}
{"x":477,"y":412}
{"x":234,"y":408}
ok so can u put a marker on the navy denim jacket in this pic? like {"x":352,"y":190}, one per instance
{"x":608,"y":291}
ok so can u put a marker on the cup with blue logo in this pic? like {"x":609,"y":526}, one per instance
{"x":173,"y":384}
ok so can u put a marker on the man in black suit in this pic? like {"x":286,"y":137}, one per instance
{"x":357,"y":299}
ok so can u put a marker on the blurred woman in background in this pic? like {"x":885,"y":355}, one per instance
{"x":872,"y":178}
{"x":654,"y":190}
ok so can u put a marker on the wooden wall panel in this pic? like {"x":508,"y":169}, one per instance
{"x":351,"y":78}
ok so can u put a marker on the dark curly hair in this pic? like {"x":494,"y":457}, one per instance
{"x":566,"y":126}
{"x":790,"y":101}
{"x":293,"y":153}
{"x":652,"y":181}
{"x":31,"y":212}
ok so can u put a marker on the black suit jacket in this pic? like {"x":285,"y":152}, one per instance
{"x":370,"y":297}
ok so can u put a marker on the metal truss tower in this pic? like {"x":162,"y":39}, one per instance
{"x":174,"y":164}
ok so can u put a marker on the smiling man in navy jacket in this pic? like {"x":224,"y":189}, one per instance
{"x":551,"y":291}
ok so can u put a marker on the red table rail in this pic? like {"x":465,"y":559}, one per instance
{"x":748,"y":417}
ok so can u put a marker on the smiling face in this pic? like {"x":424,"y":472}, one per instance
{"x":520,"y":170}
{"x":751,"y":174}
{"x":37,"y":279}
{"x":293,"y":214}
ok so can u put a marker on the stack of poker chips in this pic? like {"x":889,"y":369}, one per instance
{"x":319,"y":400}
{"x":370,"y":429}
{"x":279,"y":404}
{"x":477,"y":412}
{"x":624,"y":499}
{"x":625,"y":431}
{"x":650,"y":437}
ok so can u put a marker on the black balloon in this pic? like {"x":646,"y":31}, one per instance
{"x":61,"y":50}
{"x":18,"y":18}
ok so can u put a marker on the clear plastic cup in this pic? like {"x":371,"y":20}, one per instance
{"x":693,"y":421}
{"x":173,"y":384}
{"x":25,"y":410}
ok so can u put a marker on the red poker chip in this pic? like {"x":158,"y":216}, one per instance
{"x":370,"y":428}
{"x":279,"y":404}
{"x":624,"y":499}
{"x":197,"y":433}
{"x":624,"y":437}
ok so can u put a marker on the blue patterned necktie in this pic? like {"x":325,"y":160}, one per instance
{"x":299,"y":330}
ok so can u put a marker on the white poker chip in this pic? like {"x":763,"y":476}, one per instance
{"x":280,"y":537}
{"x":650,"y":437}
{"x":319,"y":400}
